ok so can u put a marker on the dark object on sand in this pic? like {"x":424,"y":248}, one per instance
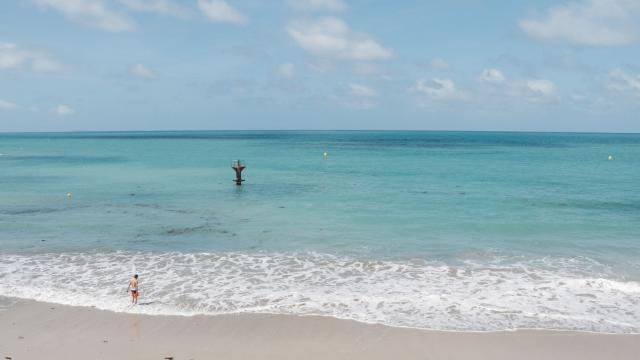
{"x":238,"y":166}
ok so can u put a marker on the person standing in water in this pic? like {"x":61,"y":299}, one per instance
{"x":133,"y":288}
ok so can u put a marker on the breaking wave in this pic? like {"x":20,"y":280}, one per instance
{"x":496,"y":294}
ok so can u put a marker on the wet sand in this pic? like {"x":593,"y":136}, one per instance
{"x":37,"y":330}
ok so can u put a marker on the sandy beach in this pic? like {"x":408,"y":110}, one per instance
{"x":36,"y":330}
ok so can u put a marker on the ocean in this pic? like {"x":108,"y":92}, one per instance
{"x":462,"y":231}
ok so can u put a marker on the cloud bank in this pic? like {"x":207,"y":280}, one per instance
{"x":221,"y":11}
{"x":592,"y":23}
{"x":331,"y":37}
{"x":12,"y":57}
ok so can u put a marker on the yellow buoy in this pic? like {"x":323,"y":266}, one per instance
{"x":69,"y":195}
{"x":325,"y":154}
{"x":610,"y":157}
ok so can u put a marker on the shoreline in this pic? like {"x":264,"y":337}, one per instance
{"x":36,"y":330}
{"x":412,"y":294}
{"x":266,"y":313}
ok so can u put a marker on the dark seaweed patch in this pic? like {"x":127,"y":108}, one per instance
{"x":613,"y":206}
{"x":28,"y":211}
{"x":186,"y":230}
{"x":63,"y":159}
{"x":9,"y":179}
{"x":196,"y":229}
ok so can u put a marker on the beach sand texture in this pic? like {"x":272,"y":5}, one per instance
{"x":37,"y":330}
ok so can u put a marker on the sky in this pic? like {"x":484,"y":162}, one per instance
{"x":105,"y":65}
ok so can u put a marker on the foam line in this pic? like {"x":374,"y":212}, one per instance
{"x":547,"y":293}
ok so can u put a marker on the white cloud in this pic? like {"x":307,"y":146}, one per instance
{"x":162,"y":7}
{"x":532,"y":89}
{"x":436,"y":88}
{"x":362,"y":91}
{"x":313,"y":5}
{"x":7,"y":105}
{"x":439,"y":64}
{"x":491,"y":76}
{"x":536,"y":90}
{"x":63,"y":110}
{"x":620,"y":80}
{"x":331,"y":37}
{"x":12,"y":56}
{"x":142,"y":72}
{"x":492,"y":89}
{"x":287,"y":70}
{"x":541,"y":86}
{"x":220,"y":11}
{"x":588,"y":22}
{"x":94,"y":13}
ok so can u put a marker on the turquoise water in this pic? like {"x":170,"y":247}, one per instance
{"x":447,"y":230}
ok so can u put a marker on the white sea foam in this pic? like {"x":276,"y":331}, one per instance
{"x":494,"y":295}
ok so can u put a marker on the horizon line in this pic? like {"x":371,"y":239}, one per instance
{"x":323,"y":130}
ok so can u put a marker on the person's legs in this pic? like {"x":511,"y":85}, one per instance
{"x":135,"y":298}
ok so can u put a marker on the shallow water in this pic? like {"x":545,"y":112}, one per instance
{"x":447,"y":230}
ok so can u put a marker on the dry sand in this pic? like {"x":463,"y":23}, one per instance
{"x":35,"y":330}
